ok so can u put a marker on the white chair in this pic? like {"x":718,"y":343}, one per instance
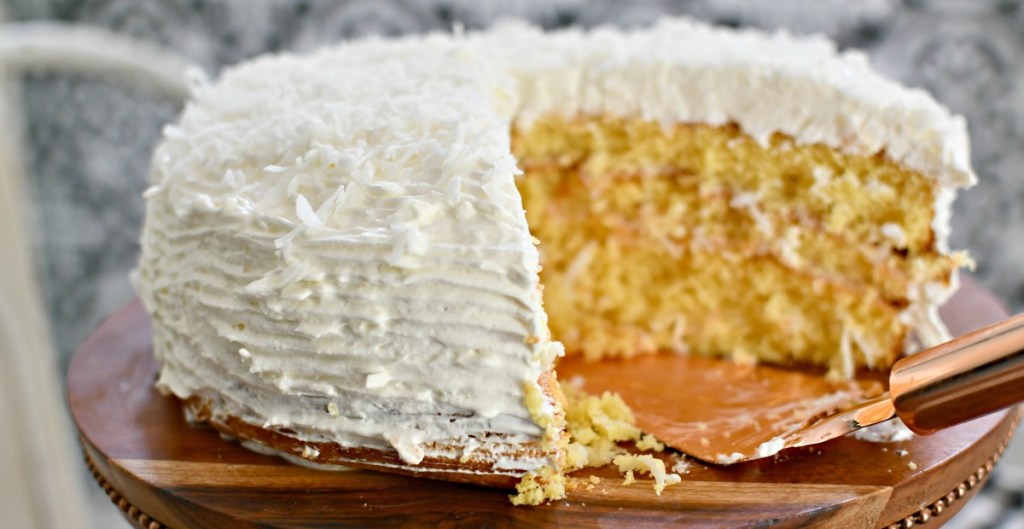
{"x":43,"y":484}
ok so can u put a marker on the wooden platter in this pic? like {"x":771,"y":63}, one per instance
{"x":163,"y":473}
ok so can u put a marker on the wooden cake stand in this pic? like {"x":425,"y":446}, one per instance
{"x":163,"y":473}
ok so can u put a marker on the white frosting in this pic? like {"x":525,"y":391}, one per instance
{"x":770,"y":447}
{"x":890,"y":431}
{"x":335,"y":245}
{"x":681,"y":466}
{"x":682,"y":71}
{"x":346,"y":255}
{"x":728,"y":459}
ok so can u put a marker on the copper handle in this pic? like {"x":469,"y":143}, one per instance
{"x":962,"y":379}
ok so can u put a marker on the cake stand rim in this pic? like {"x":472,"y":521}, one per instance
{"x":946,"y":504}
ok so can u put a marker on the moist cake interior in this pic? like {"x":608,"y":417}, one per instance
{"x":698,"y":239}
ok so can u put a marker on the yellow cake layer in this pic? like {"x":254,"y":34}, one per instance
{"x":634,"y":301}
{"x":697,"y":238}
{"x":675,"y":212}
{"x":845,"y":194}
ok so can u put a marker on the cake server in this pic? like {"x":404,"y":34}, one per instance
{"x":722,"y":413}
{"x":962,"y":379}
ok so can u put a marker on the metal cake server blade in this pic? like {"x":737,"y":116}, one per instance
{"x":716,"y":410}
{"x":724,"y":413}
{"x":962,"y":379}
{"x":862,"y":415}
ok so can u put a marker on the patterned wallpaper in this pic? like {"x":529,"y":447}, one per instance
{"x":89,"y":139}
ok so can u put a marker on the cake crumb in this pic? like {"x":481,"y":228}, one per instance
{"x":539,"y":486}
{"x":912,"y":465}
{"x":548,"y":483}
{"x":594,"y":427}
{"x":649,"y":464}
{"x":310,"y":452}
{"x":332,"y":409}
{"x":650,"y":443}
{"x":571,"y":484}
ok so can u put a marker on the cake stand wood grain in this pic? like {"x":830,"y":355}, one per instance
{"x":163,"y":473}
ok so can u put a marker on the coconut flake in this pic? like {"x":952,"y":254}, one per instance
{"x":306,"y":214}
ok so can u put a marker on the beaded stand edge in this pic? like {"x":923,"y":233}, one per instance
{"x":137,"y":517}
{"x":977,"y":478}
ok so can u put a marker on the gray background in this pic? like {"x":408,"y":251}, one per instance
{"x":89,"y":139}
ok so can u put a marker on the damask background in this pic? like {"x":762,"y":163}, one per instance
{"x":89,"y":139}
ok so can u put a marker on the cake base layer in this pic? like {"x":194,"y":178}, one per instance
{"x":332,"y":456}
{"x":483,"y":459}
